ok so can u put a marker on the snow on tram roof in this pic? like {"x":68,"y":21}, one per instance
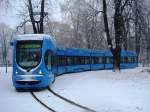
{"x":33,"y":37}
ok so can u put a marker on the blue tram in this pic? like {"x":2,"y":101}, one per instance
{"x":32,"y":61}
{"x":37,"y":61}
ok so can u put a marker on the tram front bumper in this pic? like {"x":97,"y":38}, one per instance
{"x":28,"y":79}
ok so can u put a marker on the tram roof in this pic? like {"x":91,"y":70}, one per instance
{"x":33,"y":37}
{"x":78,"y":52}
{"x":123,"y":53}
{"x":128,"y":53}
{"x":88,"y":52}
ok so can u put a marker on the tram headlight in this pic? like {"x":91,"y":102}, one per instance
{"x":16,"y":72}
{"x":40,"y":72}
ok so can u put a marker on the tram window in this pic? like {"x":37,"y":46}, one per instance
{"x":109,"y":60}
{"x":28,"y":53}
{"x":92,"y":60}
{"x":130,"y":60}
{"x":126,"y":59}
{"x":87,"y":60}
{"x":79,"y":60}
{"x":100,"y":60}
{"x":70,"y":60}
{"x":95,"y":60}
{"x":123,"y":60}
{"x":54,"y":60}
{"x":75,"y":60}
{"x":62,"y":61}
{"x":82,"y":60}
{"x":48,"y":59}
{"x":135,"y":59}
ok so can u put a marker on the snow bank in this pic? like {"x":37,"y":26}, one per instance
{"x":107,"y":91}
{"x":104,"y":91}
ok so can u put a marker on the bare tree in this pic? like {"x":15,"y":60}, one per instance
{"x":5,"y":3}
{"x":37,"y":25}
{"x":119,"y":27}
{"x":5,"y":35}
{"x":86,"y":23}
{"x":34,"y":12}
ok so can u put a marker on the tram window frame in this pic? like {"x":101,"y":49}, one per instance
{"x":46,"y":59}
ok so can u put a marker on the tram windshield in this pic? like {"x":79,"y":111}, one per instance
{"x":28,"y":53}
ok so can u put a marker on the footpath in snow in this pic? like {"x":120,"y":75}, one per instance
{"x":103,"y":91}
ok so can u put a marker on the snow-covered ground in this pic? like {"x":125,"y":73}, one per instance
{"x":103,"y":91}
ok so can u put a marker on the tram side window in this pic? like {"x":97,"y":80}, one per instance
{"x":87,"y":60}
{"x":48,"y":59}
{"x":100,"y":60}
{"x":126,"y":59}
{"x":79,"y":60}
{"x":75,"y":60}
{"x":135,"y":60}
{"x":123,"y":60}
{"x":109,"y":60}
{"x":130,"y":59}
{"x":83,"y":60}
{"x":70,"y":60}
{"x":92,"y":60}
{"x":95,"y":60}
{"x":62,"y":61}
{"x":54,"y":61}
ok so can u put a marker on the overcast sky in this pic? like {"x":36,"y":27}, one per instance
{"x":11,"y":18}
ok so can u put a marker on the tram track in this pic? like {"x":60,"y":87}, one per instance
{"x":86,"y":109}
{"x":42,"y":103}
{"x":70,"y":101}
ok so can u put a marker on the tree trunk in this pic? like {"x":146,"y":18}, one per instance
{"x":118,"y":25}
{"x":109,"y":41}
{"x":116,"y":58}
{"x":30,"y":8}
{"x":137,"y":37}
{"x":118,"y":33}
{"x":42,"y":17}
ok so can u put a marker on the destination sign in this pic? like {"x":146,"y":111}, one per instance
{"x":26,"y":46}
